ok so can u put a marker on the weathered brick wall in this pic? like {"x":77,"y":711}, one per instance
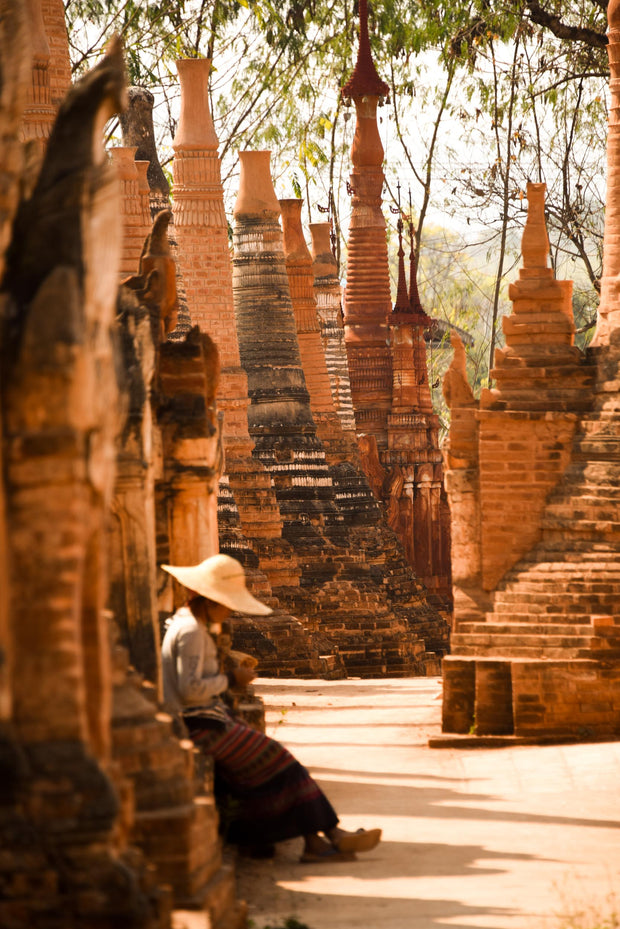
{"x":566,"y":699}
{"x":522,"y":457}
{"x":53,"y":12}
{"x":578,"y":699}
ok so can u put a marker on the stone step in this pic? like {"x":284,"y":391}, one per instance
{"x":580,"y":528}
{"x":585,"y":602}
{"x":524,"y":629}
{"x":521,"y":617}
{"x":584,"y":509}
{"x":605,"y":551}
{"x":599,"y":419}
{"x":505,"y":640}
{"x":597,"y":449}
{"x":548,"y":583}
{"x":533,"y":652}
{"x":564,"y":571}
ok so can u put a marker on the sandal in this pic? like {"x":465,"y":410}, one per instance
{"x":324,"y":851}
{"x":361,"y":841}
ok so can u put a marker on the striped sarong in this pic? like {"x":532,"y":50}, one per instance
{"x":263,"y":793}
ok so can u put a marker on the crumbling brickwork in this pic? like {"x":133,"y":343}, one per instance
{"x":532,"y":477}
{"x":59,"y":401}
{"x":117,"y":817}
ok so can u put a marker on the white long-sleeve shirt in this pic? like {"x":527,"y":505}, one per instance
{"x":190,"y":671}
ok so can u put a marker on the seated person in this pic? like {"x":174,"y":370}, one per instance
{"x":266,"y":794}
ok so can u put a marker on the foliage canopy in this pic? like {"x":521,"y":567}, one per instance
{"x":485,"y":95}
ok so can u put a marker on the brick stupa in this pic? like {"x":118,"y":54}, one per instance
{"x":367,"y":529}
{"x":533,"y":476}
{"x":395,"y":425}
{"x":201,"y":232}
{"x":338,"y":444}
{"x":413,"y":486}
{"x":328,"y":295}
{"x":367,"y":301}
{"x":339,"y":596}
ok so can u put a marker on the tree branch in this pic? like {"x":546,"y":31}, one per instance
{"x":561,"y":30}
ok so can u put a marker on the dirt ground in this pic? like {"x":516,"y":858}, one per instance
{"x":510,"y":838}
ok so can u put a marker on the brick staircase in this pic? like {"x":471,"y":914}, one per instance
{"x":555,"y":623}
{"x":563,"y":600}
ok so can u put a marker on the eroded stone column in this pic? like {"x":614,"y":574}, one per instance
{"x":301,"y":279}
{"x":134,"y":220}
{"x":279,"y":416}
{"x":328,"y":293}
{"x":191,"y":442}
{"x":138,"y":133}
{"x":14,"y":48}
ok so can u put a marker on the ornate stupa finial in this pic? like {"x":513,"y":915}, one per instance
{"x":329,"y":209}
{"x":402,"y":304}
{"x":364,"y":81}
{"x":415,"y":303}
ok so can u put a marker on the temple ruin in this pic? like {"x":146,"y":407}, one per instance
{"x":532,"y":477}
{"x":162,"y":399}
{"x":130,"y":439}
{"x":395,"y":424}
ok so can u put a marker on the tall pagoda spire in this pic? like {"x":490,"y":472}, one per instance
{"x":365,"y":79}
{"x":367,"y":298}
{"x":418,"y":311}
{"x":403,"y":304}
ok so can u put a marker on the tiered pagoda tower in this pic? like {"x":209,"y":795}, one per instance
{"x":328,"y":293}
{"x":367,"y":300}
{"x":201,"y":232}
{"x":202,"y":235}
{"x":394,"y":420}
{"x":343,"y":593}
{"x":413,"y":488}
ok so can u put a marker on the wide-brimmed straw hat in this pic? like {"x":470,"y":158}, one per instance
{"x":222,"y":579}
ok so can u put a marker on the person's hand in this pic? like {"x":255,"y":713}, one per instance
{"x":243,"y":675}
